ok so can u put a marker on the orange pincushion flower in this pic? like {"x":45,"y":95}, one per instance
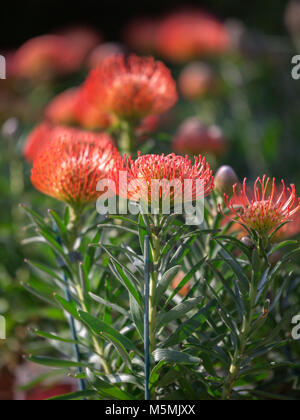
{"x":37,"y":140}
{"x":194,"y":137}
{"x":72,"y":108}
{"x":61,"y":108}
{"x":131,"y":88}
{"x":44,"y":133}
{"x":46,"y":56}
{"x":144,"y":172}
{"x":83,"y":40}
{"x":196,"y":80}
{"x":266,"y":207}
{"x":189,"y":34}
{"x":88,"y":116}
{"x":69,"y":169}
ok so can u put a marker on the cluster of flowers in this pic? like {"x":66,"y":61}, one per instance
{"x":68,"y":163}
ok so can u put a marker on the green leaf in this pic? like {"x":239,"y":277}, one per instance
{"x":69,"y":307}
{"x":56,"y":363}
{"x":174,"y":357}
{"x":113,"y":306}
{"x":178,"y":312}
{"x":59,"y":223}
{"x":164,"y":283}
{"x":106,"y":390}
{"x":120,"y":349}
{"x":126,"y":282}
{"x":74,"y":396}
{"x":190,"y":326}
{"x":186,"y":279}
{"x":100,"y":327}
{"x":137,"y":316}
{"x":54,"y":337}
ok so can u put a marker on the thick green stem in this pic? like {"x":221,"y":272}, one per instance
{"x":127,"y":141}
{"x":153,"y":286}
{"x":96,"y":343}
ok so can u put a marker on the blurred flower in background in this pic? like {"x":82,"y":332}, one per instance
{"x":190,"y":34}
{"x":194,"y":138}
{"x":196,"y":80}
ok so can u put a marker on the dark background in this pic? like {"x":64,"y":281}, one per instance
{"x":20,"y":20}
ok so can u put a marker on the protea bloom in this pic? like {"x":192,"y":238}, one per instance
{"x":44,"y":133}
{"x":131,"y":88}
{"x":45,"y":57}
{"x":72,"y":108}
{"x":69,"y":169}
{"x":150,"y":177}
{"x":61,"y":109}
{"x":83,"y":40}
{"x":196,"y":80}
{"x":266,"y":207}
{"x":189,"y":34}
{"x":88,"y":116}
{"x":194,"y":137}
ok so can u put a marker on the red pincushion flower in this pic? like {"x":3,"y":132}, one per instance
{"x":88,"y":116}
{"x":46,"y":56}
{"x":144,"y":172}
{"x":190,"y":34}
{"x":193,"y":137}
{"x":44,"y":133}
{"x":266,"y":207}
{"x":196,"y":80}
{"x":72,"y":108}
{"x":83,"y":40}
{"x":69,"y":169}
{"x":131,"y":88}
{"x":61,"y":109}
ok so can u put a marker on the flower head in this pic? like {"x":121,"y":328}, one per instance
{"x":44,"y":133}
{"x":196,"y":80}
{"x":83,"y":39}
{"x":150,"y":177}
{"x":266,"y":207}
{"x":131,"y":88}
{"x":72,"y":108}
{"x":45,"y":57}
{"x":61,"y":109}
{"x":69,"y":169}
{"x":189,"y":34}
{"x":194,"y":137}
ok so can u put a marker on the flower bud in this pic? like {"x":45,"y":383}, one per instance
{"x":225,"y":179}
{"x":248,"y":242}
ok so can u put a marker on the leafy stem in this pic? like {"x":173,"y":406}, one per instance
{"x":239,"y":354}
